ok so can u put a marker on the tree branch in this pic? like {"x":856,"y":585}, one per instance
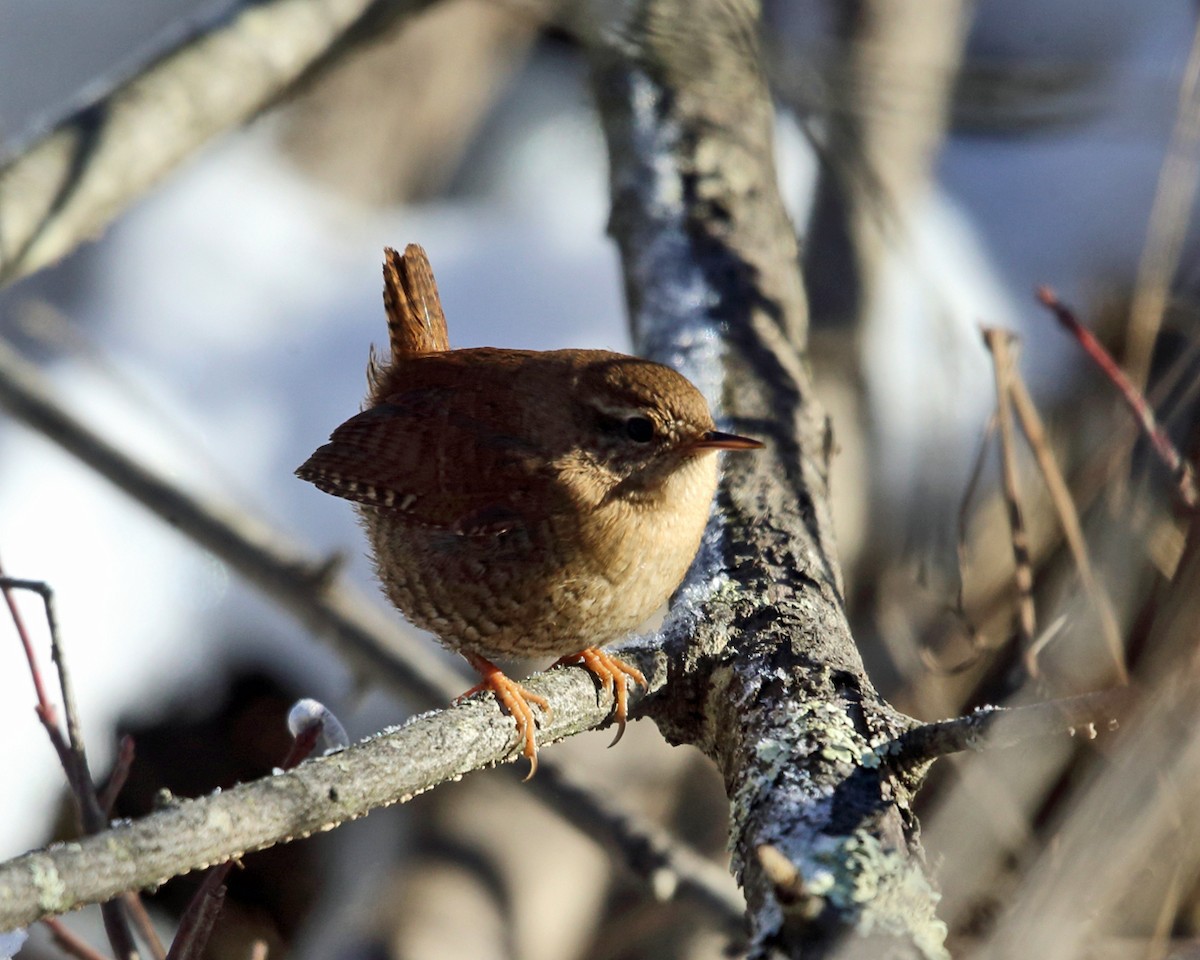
{"x":763,"y":673}
{"x":991,"y":727}
{"x":317,"y":795}
{"x":71,"y":182}
{"x":372,"y":642}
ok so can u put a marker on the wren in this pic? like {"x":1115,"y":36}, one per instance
{"x":522,"y":503}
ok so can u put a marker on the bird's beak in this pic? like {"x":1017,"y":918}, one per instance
{"x":715,"y":440}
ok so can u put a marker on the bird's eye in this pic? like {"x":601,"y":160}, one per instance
{"x":639,"y":429}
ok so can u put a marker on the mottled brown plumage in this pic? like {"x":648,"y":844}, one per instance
{"x":522,"y":503}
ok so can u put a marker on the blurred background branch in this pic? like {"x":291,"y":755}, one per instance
{"x":219,"y":329}
{"x":70,"y":182}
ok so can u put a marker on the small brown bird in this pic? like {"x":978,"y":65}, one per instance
{"x":522,"y":503}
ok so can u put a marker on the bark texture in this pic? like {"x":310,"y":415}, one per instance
{"x":764,"y":675}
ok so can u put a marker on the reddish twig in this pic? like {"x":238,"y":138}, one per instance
{"x":303,"y":744}
{"x":1181,"y":471}
{"x":45,"y":708}
{"x":107,"y":796}
{"x":145,"y":926}
{"x":70,"y":749}
{"x":69,"y":943}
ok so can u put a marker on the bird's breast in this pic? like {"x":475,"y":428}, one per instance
{"x":642,"y":548}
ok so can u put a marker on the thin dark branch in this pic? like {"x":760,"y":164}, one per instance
{"x":107,"y":796}
{"x":196,"y":925}
{"x":992,"y":727}
{"x":652,"y":854}
{"x":71,"y":752}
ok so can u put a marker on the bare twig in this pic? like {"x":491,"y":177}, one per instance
{"x":69,"y":943}
{"x":976,"y":641}
{"x":107,"y":796}
{"x":998,"y":343}
{"x":71,"y":752}
{"x":143,"y":924}
{"x":992,"y":727}
{"x":651,"y":853}
{"x":1181,"y":470}
{"x":1064,"y":505}
{"x":196,"y":925}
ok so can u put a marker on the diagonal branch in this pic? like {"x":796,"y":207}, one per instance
{"x":318,"y":795}
{"x":70,"y":183}
{"x":369,"y":640}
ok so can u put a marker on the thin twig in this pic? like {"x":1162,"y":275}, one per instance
{"x":7,"y":584}
{"x":72,"y":754}
{"x":71,"y":944}
{"x":1181,"y":471}
{"x":975,"y":640}
{"x":107,"y":795}
{"x":652,"y":855}
{"x":91,"y":812}
{"x":1064,"y":505}
{"x":143,"y":924}
{"x":993,"y":727}
{"x":998,"y":343}
{"x":195,"y":927}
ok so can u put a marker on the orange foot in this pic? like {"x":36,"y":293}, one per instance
{"x":514,"y":698}
{"x":611,"y":672}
